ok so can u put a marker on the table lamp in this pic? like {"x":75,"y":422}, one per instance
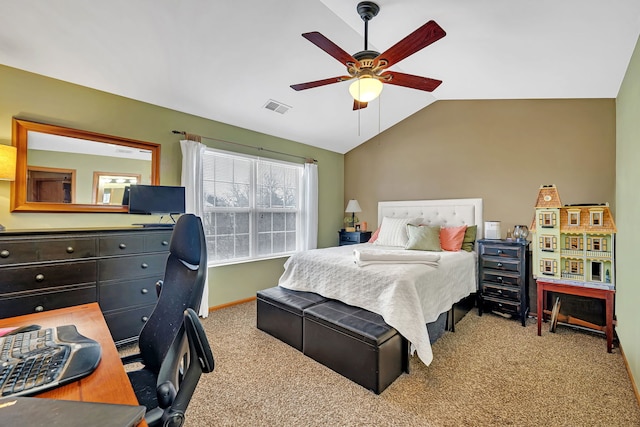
{"x":352,"y":207}
{"x":7,"y":165}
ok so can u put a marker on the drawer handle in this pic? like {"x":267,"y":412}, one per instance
{"x":499,"y":264}
{"x":144,"y":291}
{"x":499,"y":291}
{"x":4,"y":254}
{"x":165,"y":243}
{"x":70,"y":249}
{"x":499,"y":251}
{"x":38,"y":309}
{"x":144,"y":318}
{"x":144,"y":265}
{"x":122,"y":246}
{"x":39,"y":277}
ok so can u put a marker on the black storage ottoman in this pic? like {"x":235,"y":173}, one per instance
{"x":279,"y":313}
{"x":355,"y":343}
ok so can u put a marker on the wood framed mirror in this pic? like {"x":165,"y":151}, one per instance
{"x":58,"y":169}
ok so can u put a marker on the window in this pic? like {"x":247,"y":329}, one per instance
{"x":251,"y":206}
{"x":596,"y":244}
{"x":573,"y":243}
{"x":574,"y":218}
{"x":547,"y":219}
{"x":548,"y":243}
{"x":548,"y":267}
{"x":574,"y":267}
{"x":596,"y":218}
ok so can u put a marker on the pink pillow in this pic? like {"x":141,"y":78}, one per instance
{"x":451,"y":238}
{"x":374,"y":236}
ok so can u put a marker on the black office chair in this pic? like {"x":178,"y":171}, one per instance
{"x":182,"y":287}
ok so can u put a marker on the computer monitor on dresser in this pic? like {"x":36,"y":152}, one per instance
{"x":155,"y":200}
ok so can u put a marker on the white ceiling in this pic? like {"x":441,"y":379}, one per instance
{"x":223,"y":60}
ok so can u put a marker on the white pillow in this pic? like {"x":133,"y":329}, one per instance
{"x":393,"y":231}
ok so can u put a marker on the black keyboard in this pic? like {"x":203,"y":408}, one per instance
{"x":35,"y":361}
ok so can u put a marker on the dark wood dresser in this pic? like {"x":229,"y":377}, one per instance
{"x":48,"y":269}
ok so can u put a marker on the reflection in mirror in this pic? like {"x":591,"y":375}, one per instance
{"x":109,"y":187}
{"x":62,"y":170}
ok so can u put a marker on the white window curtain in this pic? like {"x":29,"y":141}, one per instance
{"x":309,"y":238}
{"x":192,"y":152}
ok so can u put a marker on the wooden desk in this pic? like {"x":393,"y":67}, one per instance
{"x":109,"y":382}
{"x":604,"y":294}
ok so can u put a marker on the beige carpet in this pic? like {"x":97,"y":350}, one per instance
{"x":490,"y":372}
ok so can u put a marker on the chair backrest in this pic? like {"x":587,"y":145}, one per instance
{"x":180,"y":372}
{"x":184,"y":281}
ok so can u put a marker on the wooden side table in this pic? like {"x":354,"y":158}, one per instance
{"x":604,"y":294}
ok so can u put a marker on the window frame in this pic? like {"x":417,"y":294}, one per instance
{"x":254,"y":209}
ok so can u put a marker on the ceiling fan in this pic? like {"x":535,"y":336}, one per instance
{"x":369,"y":67}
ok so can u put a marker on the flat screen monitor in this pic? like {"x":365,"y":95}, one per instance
{"x":155,"y":199}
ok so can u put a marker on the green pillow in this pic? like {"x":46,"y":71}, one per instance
{"x":469,"y":238}
{"x":423,"y":238}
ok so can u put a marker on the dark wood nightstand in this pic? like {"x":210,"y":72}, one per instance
{"x":502,"y":277}
{"x":353,"y":237}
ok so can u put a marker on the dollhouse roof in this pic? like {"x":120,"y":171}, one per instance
{"x":548,"y":197}
{"x":608,"y":226}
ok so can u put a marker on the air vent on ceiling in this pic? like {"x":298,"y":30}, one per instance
{"x":276,"y":106}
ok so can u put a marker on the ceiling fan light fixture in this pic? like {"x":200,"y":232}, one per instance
{"x":365,"y":89}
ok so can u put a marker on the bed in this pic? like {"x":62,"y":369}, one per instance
{"x":407,"y":294}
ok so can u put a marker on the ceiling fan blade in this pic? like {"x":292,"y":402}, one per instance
{"x":357,"y":105}
{"x":330,"y":47}
{"x":419,"y":39}
{"x":324,"y":82}
{"x":410,"y":81}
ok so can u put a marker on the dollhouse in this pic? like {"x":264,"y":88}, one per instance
{"x":572,"y":244}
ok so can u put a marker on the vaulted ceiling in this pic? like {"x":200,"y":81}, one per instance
{"x":225,"y":60}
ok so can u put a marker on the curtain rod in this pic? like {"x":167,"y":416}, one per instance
{"x":306,"y":159}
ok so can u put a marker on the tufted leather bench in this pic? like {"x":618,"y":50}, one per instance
{"x":279,"y":313}
{"x":355,"y":343}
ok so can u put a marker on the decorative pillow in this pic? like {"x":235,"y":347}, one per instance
{"x":423,"y":238}
{"x":451,"y":238}
{"x":374,"y":236}
{"x":393,"y":231}
{"x":469,"y":238}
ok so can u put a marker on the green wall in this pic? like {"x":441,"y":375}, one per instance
{"x":36,"y":98}
{"x":628,"y":214}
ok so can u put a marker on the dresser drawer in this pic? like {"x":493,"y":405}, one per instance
{"x":21,"y":279}
{"x":506,"y":264}
{"x":157,"y":242}
{"x":503,"y":278}
{"x":121,"y":244}
{"x":502,"y":251}
{"x":503,"y":306}
{"x":46,"y":250}
{"x":43,"y":301}
{"x":129,"y":293}
{"x":132,"y":267}
{"x":497,"y":291}
{"x":126,"y":325}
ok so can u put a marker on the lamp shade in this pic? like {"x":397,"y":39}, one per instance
{"x":365,"y":89}
{"x":353,"y":206}
{"x":7,"y":162}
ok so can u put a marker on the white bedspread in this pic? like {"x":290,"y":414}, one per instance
{"x":407,"y":296}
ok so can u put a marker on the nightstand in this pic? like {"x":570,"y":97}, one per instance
{"x":502,"y":277}
{"x":353,"y":237}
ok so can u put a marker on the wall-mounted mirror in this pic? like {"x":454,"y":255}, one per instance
{"x":60,"y":169}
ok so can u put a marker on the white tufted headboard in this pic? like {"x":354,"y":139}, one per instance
{"x":447,"y":212}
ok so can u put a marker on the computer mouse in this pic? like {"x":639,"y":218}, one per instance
{"x":27,"y":328}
